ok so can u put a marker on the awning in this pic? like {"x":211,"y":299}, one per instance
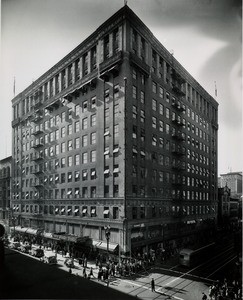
{"x":31,"y":231}
{"x":106,"y":212}
{"x":19,"y":228}
{"x":103,"y":245}
{"x":76,"y":210}
{"x":84,"y":210}
{"x":116,"y":170}
{"x":116,"y":150}
{"x":47,"y":234}
{"x":106,"y":171}
{"x":93,"y":211}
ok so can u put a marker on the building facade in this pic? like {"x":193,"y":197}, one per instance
{"x":223,"y":206}
{"x":5,"y":178}
{"x":116,"y":141}
{"x":234,"y":181}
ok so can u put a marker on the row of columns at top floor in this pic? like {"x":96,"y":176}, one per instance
{"x":105,"y":48}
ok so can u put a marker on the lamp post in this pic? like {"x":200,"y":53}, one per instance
{"x":107,"y":235}
{"x":14,"y":219}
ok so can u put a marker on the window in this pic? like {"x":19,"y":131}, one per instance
{"x":115,"y":212}
{"x":107,"y":114}
{"x":85,"y":123}
{"x":77,"y":175}
{"x":63,"y":162}
{"x":57,"y":134}
{"x":93,"y":174}
{"x":69,"y":176}
{"x":106,"y":191}
{"x":93,"y":120}
{"x":134,"y":74}
{"x":142,"y":117}
{"x":154,"y":140}
{"x":77,"y":143}
{"x":134,"y":212}
{"x":161,"y":126}
{"x":62,"y":132}
{"x":142,"y":97}
{"x":76,"y":128}
{"x":70,"y":161}
{"x":116,"y":131}
{"x":93,"y":138}
{"x":167,"y":113}
{"x":70,"y":145}
{"x":161,"y":109}
{"x":77,"y":160}
{"x":134,"y":92}
{"x":134,"y":131}
{"x":154,"y":122}
{"x":84,"y":158}
{"x":142,"y":212}
{"x":161,"y":92}
{"x":154,"y":104}
{"x":106,"y":212}
{"x":93,"y":102}
{"x":69,"y":129}
{"x":116,"y":111}
{"x":84,"y":175}
{"x":106,"y":152}
{"x":167,"y":97}
{"x":92,"y":210}
{"x":154,"y":87}
{"x":93,"y":191}
{"x":77,"y":110}
{"x":93,"y":156}
{"x":84,"y":140}
{"x":134,"y":112}
{"x":167,"y":129}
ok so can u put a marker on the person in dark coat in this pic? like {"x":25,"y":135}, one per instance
{"x":152,"y":285}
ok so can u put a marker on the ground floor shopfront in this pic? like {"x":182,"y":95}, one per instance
{"x":128,"y":238}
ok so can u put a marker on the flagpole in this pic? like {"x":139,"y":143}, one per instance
{"x":215,"y":87}
{"x":14,"y":87}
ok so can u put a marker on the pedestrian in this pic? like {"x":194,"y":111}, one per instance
{"x":152,"y":285}
{"x":91,"y":273}
{"x":84,"y":273}
{"x":204,"y":297}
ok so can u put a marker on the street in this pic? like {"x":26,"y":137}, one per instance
{"x":27,"y":277}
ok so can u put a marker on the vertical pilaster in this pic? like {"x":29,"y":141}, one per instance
{"x":110,"y":44}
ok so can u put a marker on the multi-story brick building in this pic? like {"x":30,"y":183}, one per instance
{"x":5,"y":177}
{"x":116,"y":134}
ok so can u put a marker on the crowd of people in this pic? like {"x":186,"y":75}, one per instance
{"x":224,"y":291}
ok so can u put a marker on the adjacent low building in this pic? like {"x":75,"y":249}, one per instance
{"x":117,"y":142}
{"x":5,"y":179}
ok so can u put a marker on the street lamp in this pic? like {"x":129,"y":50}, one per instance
{"x":14,"y":219}
{"x":107,"y":235}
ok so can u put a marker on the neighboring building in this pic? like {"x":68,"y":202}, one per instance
{"x":223,"y":206}
{"x":235,"y":213}
{"x":5,"y":177}
{"x":116,"y":134}
{"x":234,"y":181}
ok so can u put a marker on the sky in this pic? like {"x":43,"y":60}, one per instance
{"x":204,"y":35}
